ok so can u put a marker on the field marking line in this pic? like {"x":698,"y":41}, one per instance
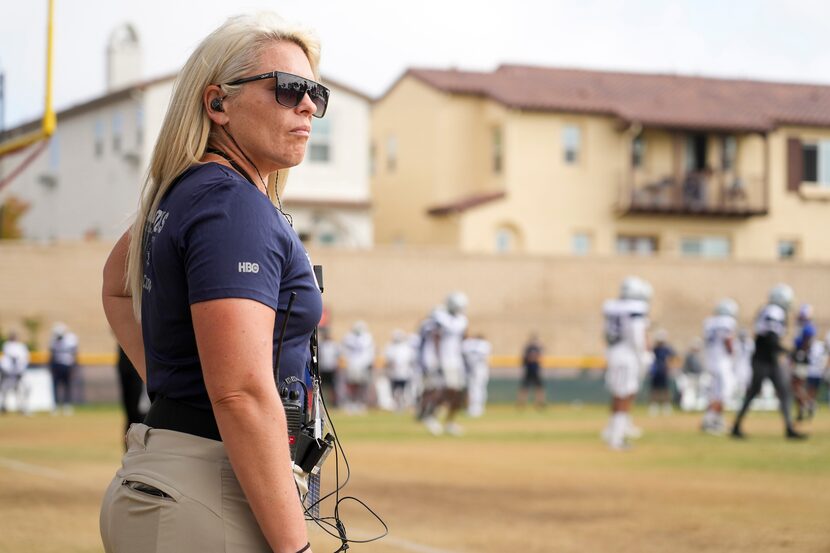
{"x":36,"y":470}
{"x":413,"y":546}
{"x":407,"y":545}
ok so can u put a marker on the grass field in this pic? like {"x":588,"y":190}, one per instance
{"x":516,"y":482}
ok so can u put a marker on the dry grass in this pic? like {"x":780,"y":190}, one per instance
{"x":516,"y":482}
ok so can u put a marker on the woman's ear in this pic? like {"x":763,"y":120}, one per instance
{"x":213,"y":102}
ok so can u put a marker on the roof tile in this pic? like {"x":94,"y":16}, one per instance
{"x":650,"y":99}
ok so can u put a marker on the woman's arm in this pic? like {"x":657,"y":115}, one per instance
{"x":118,"y":305}
{"x":235,"y":342}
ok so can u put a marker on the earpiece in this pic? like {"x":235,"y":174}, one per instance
{"x":216,"y":104}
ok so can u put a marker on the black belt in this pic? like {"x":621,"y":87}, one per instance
{"x":170,"y":414}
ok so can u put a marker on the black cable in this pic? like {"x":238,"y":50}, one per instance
{"x":279,"y":202}
{"x":325,"y":523}
{"x":291,"y":299}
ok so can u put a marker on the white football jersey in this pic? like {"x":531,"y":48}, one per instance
{"x":359,"y":351}
{"x":744,"y":348}
{"x":476,"y":351}
{"x":716,"y":331}
{"x":771,"y":319}
{"x":427,"y":356}
{"x":329,"y":356}
{"x":817,"y":359}
{"x":15,"y":357}
{"x":400,"y":358}
{"x":626,"y":322}
{"x":65,"y":350}
{"x":451,"y":329}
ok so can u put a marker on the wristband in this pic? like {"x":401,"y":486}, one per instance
{"x":306,"y":547}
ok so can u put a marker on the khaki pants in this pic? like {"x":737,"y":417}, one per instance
{"x":177,"y":492}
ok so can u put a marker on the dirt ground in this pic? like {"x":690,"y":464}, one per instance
{"x":516,"y":482}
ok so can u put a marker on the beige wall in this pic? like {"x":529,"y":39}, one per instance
{"x":445,"y":153}
{"x":510,"y":296}
{"x":547,"y":199}
{"x":791,"y":214}
{"x":55,"y":283}
{"x":401,"y":196}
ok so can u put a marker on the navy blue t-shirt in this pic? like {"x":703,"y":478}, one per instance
{"x":215,"y":235}
{"x":660,"y":367}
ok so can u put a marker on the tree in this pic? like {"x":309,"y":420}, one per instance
{"x":11,"y":210}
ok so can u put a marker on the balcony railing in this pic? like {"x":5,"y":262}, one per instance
{"x":711,"y":194}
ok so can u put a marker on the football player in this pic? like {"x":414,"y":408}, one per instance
{"x":428,"y":375}
{"x":627,"y":355}
{"x":816,"y":372}
{"x":451,"y":325}
{"x":13,"y":366}
{"x":400,"y":360}
{"x":442,"y":356}
{"x":719,"y":347}
{"x":770,"y":329}
{"x":358,"y":349}
{"x":476,"y":352}
{"x":744,"y":348}
{"x":802,"y":350}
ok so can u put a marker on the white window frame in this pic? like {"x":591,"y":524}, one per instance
{"x":391,"y":153}
{"x":98,"y":145}
{"x":497,"y":152}
{"x":729,"y":152}
{"x":571,"y":144}
{"x":637,"y":241}
{"x":582,"y":243}
{"x":706,"y":247}
{"x":117,"y":131}
{"x":795,"y":248}
{"x":320,"y":142}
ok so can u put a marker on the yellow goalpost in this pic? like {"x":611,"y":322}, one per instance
{"x":49,"y":122}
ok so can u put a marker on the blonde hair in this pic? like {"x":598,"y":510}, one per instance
{"x":229,"y":53}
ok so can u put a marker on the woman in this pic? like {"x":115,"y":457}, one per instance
{"x":211,"y":266}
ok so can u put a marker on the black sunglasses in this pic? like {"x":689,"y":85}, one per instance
{"x":292,"y":88}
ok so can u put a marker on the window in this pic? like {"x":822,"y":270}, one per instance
{"x":811,"y":162}
{"x":54,"y":153}
{"x":570,"y":144}
{"x":817,"y":162}
{"x":696,"y":152}
{"x":327,"y":238}
{"x":507,"y":239}
{"x":99,"y":138}
{"x":636,"y":245}
{"x":787,"y":249}
{"x":504,"y":240}
{"x":729,"y":152}
{"x":497,"y":150}
{"x":705,"y":246}
{"x":139,"y":126}
{"x":638,"y":151}
{"x":319,"y":149}
{"x":391,"y":154}
{"x":117,"y":124}
{"x":581,"y":243}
